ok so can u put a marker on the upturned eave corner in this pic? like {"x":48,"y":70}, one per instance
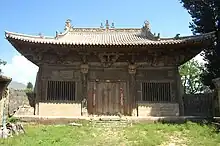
{"x":67,"y":29}
{"x":7,"y":34}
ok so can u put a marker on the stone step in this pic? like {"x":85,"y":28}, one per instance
{"x":112,"y":125}
{"x":109,"y":123}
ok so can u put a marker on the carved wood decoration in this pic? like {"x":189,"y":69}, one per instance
{"x":133,"y":57}
{"x":121,"y":96}
{"x":83,"y":56}
{"x":107,"y":59}
{"x":49,"y":55}
{"x":132,"y":69}
{"x":64,"y":75}
{"x":84,"y":68}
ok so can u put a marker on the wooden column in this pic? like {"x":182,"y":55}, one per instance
{"x":132,"y":89}
{"x":180,"y":93}
{"x":216,"y":102}
{"x":84,"y":71}
{"x":38,"y":90}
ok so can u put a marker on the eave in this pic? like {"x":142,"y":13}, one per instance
{"x":75,"y":41}
{"x":40,"y":40}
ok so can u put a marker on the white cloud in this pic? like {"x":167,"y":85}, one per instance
{"x":21,"y":70}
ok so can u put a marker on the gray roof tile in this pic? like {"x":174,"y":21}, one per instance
{"x":98,"y":36}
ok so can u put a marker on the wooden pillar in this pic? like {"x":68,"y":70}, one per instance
{"x":38,"y":90}
{"x":84,"y":71}
{"x":132,"y":89}
{"x":217,"y":99}
{"x":180,"y":93}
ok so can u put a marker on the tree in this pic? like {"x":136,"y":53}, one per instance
{"x":29,"y":85}
{"x":2,"y":63}
{"x":190,"y":76}
{"x":206,"y":18}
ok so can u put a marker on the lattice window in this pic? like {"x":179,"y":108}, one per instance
{"x":156,"y":92}
{"x":61,"y":90}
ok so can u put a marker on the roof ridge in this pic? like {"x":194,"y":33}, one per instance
{"x":90,"y":29}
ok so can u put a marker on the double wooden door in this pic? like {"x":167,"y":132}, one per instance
{"x":107,"y":98}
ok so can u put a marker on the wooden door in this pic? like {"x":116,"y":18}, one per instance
{"x":106,"y":98}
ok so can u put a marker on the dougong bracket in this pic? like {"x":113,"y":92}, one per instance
{"x":107,"y":59}
{"x":84,"y":56}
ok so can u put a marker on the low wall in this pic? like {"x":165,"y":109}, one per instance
{"x":217,"y":97}
{"x":158,"y":109}
{"x":198,"y":104}
{"x":59,"y":109}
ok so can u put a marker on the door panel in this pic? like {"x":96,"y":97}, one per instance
{"x":108,"y":98}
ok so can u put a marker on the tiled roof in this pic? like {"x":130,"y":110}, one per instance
{"x":111,"y":36}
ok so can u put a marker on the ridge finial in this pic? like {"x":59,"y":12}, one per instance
{"x":68,"y":24}
{"x":147,"y":24}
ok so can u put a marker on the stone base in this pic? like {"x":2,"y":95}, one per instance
{"x":158,"y":109}
{"x":134,"y":112}
{"x":69,"y":109}
{"x":59,"y":109}
{"x":84,"y":112}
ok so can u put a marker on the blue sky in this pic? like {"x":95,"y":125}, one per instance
{"x":46,"y":16}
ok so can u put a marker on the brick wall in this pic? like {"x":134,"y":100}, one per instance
{"x":158,"y":109}
{"x":59,"y":109}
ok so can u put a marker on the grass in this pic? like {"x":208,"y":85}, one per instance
{"x":112,"y":134}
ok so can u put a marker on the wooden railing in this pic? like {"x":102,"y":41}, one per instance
{"x":61,"y":90}
{"x":156,"y":91}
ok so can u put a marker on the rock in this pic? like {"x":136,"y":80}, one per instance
{"x":15,"y":128}
{"x":11,"y":129}
{"x":75,"y":124}
{"x":4,"y":133}
{"x":24,"y":110}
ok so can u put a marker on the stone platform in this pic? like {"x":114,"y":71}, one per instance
{"x":133,"y":119}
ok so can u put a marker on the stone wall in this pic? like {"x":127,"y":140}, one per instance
{"x":158,"y":109}
{"x":20,"y":103}
{"x":1,"y":108}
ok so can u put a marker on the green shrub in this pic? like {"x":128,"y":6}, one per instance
{"x":12,"y":120}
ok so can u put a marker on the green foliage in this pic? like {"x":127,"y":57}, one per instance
{"x":29,"y":85}
{"x":12,"y":120}
{"x":190,"y":76}
{"x":27,"y":90}
{"x":205,"y":16}
{"x":2,"y":62}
